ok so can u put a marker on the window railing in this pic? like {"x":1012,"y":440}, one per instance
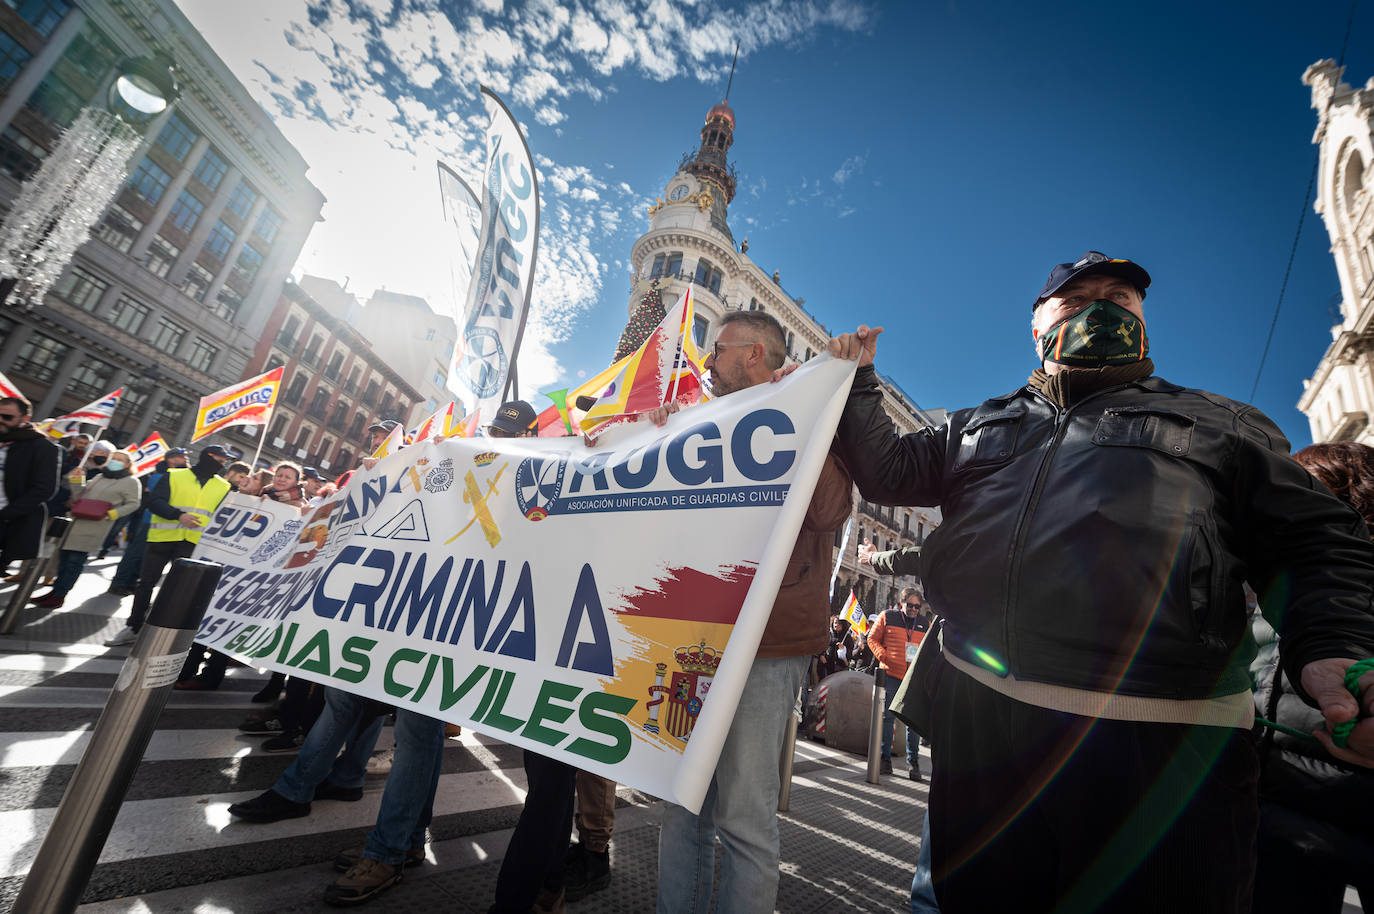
{"x":318,"y":410}
{"x":332,"y":372}
{"x":287,"y":341}
{"x":311,"y":358}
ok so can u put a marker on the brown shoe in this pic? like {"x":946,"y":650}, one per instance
{"x":452,"y":731}
{"x":350,"y":858}
{"x":364,"y":881}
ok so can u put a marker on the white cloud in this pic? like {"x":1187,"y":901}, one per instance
{"x":372,"y":92}
{"x":854,"y":165}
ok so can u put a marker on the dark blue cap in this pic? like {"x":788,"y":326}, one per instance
{"x":1094,"y":262}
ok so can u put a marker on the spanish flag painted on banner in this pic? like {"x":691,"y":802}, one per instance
{"x":245,"y":403}
{"x":853,"y":613}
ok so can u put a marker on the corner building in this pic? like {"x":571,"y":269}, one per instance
{"x":171,"y":294}
{"x":689,"y":245}
{"x":1339,"y":397}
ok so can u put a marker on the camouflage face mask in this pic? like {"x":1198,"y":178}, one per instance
{"x":1103,"y":333}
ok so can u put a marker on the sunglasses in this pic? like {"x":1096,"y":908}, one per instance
{"x":913,"y":605}
{"x":715,"y":348}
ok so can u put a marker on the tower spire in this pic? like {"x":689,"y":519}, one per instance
{"x":731,"y":81}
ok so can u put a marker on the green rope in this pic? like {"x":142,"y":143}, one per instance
{"x":1341,"y":732}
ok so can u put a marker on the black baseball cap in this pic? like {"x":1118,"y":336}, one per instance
{"x":311,"y":473}
{"x":383,"y":425}
{"x":515,"y":417}
{"x":219,"y":450}
{"x":178,"y":452}
{"x":1094,"y":262}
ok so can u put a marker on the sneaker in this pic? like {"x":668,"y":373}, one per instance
{"x":885,"y":767}
{"x":350,"y":858}
{"x":364,"y":880}
{"x":257,"y":726}
{"x":585,"y":872}
{"x":286,"y":742}
{"x":125,"y":635}
{"x":328,"y":791}
{"x":269,"y":807}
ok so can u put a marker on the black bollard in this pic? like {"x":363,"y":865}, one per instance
{"x":58,"y":528}
{"x":78,"y":832}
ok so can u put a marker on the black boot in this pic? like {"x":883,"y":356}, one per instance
{"x":585,"y":872}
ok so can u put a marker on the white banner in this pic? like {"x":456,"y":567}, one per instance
{"x":577,"y":601}
{"x":499,"y":290}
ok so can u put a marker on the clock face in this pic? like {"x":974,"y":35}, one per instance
{"x":678,"y":192}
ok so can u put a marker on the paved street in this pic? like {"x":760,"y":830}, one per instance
{"x":847,"y":845}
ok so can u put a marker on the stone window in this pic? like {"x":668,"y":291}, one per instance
{"x":80,"y":288}
{"x":40,"y":357}
{"x":149,"y":181}
{"x":177,"y":137}
{"x":129,"y":315}
{"x":167,"y":336}
{"x":211,"y":169}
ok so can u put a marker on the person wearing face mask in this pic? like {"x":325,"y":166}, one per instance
{"x":182,"y":502}
{"x":1091,"y":719}
{"x":115,"y":490}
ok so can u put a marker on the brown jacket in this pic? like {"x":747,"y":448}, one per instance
{"x":801,"y":612}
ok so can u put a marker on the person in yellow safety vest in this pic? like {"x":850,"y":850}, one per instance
{"x":181,"y":504}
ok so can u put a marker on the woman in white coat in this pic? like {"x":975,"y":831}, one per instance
{"x":117,"y":486}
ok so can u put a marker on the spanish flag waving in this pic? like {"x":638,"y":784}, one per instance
{"x":853,"y":613}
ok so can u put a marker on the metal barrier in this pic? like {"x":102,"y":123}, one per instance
{"x":58,"y":528}
{"x":72,"y":845}
{"x":875,"y":727}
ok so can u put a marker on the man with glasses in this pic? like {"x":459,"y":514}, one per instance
{"x":1091,"y":719}
{"x":894,"y":640}
{"x":28,"y":478}
{"x":741,"y":803}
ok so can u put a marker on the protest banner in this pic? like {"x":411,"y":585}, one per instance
{"x":581,"y":602}
{"x":247,"y":402}
{"x":147,"y":455}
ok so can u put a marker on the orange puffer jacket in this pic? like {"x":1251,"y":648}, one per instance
{"x":888,"y":639}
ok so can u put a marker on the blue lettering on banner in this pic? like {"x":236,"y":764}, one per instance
{"x":260,"y":397}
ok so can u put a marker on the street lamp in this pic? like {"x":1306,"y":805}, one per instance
{"x":56,"y":207}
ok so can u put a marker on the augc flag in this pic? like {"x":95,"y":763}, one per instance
{"x":245,"y":403}
{"x":96,"y":413}
{"x":853,"y":613}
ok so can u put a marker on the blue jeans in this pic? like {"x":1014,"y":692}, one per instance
{"x":913,"y":739}
{"x":741,"y":806}
{"x":408,"y":801}
{"x":126,"y":575}
{"x":319,"y":759}
{"x":922,"y":884}
{"x":69,"y":565}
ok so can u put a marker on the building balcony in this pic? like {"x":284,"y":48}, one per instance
{"x":287,"y":342}
{"x":310,"y":359}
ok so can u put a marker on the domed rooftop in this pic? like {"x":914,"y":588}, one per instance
{"x":722,"y":110}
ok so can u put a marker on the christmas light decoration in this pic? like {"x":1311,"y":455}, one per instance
{"x":56,"y":208}
{"x":648,"y":315}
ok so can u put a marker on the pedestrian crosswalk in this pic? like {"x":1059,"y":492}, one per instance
{"x":174,"y":828}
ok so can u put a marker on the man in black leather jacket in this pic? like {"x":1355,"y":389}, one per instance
{"x":1092,"y":721}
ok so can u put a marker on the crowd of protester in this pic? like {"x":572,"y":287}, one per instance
{"x":1047,"y":736}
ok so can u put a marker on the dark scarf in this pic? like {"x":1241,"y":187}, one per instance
{"x":25,"y":432}
{"x":1073,"y":384}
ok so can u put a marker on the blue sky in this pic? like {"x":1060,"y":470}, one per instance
{"x":916,"y":165}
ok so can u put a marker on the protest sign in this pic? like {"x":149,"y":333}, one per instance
{"x":582,"y":602}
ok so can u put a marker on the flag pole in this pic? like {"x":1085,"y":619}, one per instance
{"x":262,"y":437}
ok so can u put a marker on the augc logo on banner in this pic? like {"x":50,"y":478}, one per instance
{"x":687,"y":471}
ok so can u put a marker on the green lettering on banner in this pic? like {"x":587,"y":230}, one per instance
{"x":492,"y":683}
{"x":614,"y":727}
{"x":389,"y":683}
{"x":270,"y":646}
{"x":355,"y":651}
{"x":495,"y":717}
{"x":544,"y":709}
{"x":427,"y":678}
{"x":452,"y":696}
{"x":318,"y":644}
{"x":286,"y":644}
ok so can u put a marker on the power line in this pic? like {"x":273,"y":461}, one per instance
{"x":1302,"y":217}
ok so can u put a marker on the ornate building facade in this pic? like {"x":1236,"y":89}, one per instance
{"x":1339,"y":397}
{"x":173,"y":291}
{"x":689,"y":244}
